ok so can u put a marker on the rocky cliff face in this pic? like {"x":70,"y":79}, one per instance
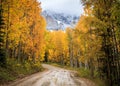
{"x":59,"y":21}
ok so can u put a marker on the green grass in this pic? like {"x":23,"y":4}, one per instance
{"x":15,"y":69}
{"x":5,"y":75}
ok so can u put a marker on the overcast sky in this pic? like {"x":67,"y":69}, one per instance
{"x":72,"y":7}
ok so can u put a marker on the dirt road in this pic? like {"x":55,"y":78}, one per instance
{"x":54,"y":76}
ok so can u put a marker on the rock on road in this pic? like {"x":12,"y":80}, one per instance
{"x":54,"y":76}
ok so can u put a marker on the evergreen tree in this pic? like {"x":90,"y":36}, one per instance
{"x":2,"y":35}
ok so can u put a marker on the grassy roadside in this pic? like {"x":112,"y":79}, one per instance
{"x":15,"y":70}
{"x":83,"y":73}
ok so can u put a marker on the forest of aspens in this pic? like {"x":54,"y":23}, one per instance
{"x":92,"y":46}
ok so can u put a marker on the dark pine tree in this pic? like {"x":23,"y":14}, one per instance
{"x":2,"y":37}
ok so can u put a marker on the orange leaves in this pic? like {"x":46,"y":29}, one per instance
{"x":26,"y":28}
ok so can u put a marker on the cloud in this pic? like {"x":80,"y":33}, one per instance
{"x":72,"y":7}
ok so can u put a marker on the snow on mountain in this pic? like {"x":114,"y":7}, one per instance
{"x":59,"y":21}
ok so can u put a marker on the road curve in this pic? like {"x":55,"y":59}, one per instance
{"x":54,"y":76}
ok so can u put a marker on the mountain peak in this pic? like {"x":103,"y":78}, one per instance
{"x":57,"y":21}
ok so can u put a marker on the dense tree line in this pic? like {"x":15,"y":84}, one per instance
{"x":21,"y":30}
{"x":106,"y":22}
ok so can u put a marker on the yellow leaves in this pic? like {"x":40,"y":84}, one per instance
{"x":26,"y":28}
{"x":58,"y":45}
{"x":82,"y":59}
{"x":82,"y":25}
{"x":51,"y":54}
{"x":43,"y":23}
{"x":88,"y":42}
